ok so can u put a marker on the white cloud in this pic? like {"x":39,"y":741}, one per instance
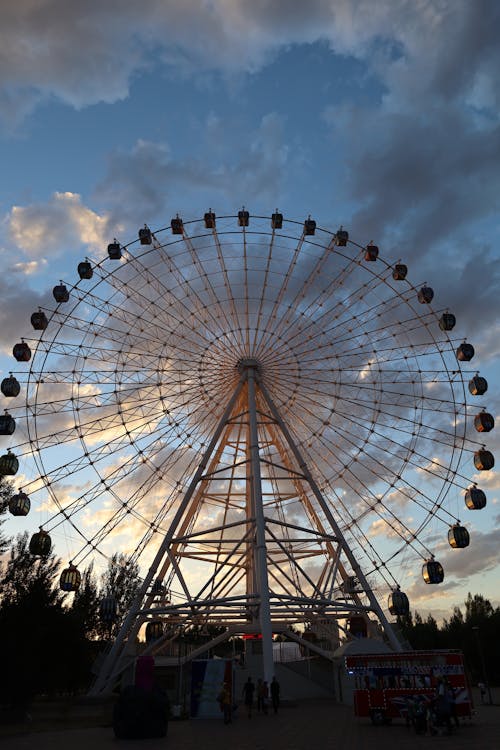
{"x":28,"y":268}
{"x":47,"y":229}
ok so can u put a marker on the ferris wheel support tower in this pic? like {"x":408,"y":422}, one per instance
{"x":245,"y":406}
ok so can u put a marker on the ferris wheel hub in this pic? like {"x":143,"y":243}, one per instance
{"x":248,"y":363}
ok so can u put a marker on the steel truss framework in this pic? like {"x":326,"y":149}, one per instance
{"x":254,"y":553}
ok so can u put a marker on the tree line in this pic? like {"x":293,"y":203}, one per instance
{"x":51,"y":639}
{"x":473,"y":630}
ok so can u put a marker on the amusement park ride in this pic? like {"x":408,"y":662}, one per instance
{"x":265,"y":415}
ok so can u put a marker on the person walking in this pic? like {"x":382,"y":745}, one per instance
{"x":275,"y":694}
{"x":248,"y":691}
{"x":226,"y":703}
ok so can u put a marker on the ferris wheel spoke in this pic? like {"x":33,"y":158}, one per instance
{"x":377,"y":471}
{"x":235,"y":315}
{"x":333,"y":314}
{"x":272,"y":317}
{"x":305,"y":301}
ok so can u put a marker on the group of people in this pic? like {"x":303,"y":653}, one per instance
{"x":431,"y":716}
{"x":262,"y":692}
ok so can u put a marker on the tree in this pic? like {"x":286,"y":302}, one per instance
{"x":6,"y":492}
{"x":422,"y":635}
{"x":50,"y":654}
{"x":477,"y":609}
{"x":475,"y":634}
{"x":30,"y":578}
{"x":85,"y":605}
{"x":31,"y":612}
{"x":120,"y":580}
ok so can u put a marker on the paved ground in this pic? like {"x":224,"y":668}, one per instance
{"x":304,"y":727}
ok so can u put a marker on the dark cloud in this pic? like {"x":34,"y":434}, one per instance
{"x":420,"y":178}
{"x":18,"y":301}
{"x":85,"y":54}
{"x":480,"y":557}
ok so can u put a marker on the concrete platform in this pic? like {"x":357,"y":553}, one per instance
{"x":305,"y":726}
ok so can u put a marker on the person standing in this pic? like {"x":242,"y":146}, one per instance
{"x":482,"y":690}
{"x":275,"y":694}
{"x":248,"y":691}
{"x":264,"y":697}
{"x":259,"y":695}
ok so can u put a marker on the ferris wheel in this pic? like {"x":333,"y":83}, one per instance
{"x":271,"y":419}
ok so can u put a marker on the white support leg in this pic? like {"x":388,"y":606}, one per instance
{"x":260,"y":551}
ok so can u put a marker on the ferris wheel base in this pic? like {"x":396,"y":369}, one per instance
{"x":264,"y":549}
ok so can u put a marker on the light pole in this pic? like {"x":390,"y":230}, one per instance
{"x":475,"y":629}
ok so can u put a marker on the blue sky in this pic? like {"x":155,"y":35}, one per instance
{"x":383,"y":117}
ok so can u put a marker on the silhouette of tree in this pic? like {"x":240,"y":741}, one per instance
{"x":477,"y":609}
{"x":29,"y":577}
{"x":475,"y":633}
{"x":50,"y":652}
{"x":6,"y":492}
{"x":85,"y":605}
{"x":120,"y":580}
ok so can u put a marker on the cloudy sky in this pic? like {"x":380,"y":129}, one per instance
{"x":383,"y":117}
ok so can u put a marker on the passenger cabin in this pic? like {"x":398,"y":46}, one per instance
{"x":341,"y":237}
{"x":458,"y":536}
{"x":465,"y":352}
{"x":209,"y":219}
{"x":399,"y":272}
{"x":371,"y":252}
{"x":176,"y":225}
{"x":243,"y":218}
{"x":40,"y":544}
{"x":10,"y":387}
{"x":432,"y":571}
{"x":108,"y":609}
{"x":9,"y":465}
{"x":39,"y":321}
{"x":425,"y":295}
{"x":447,"y":322}
{"x":22,"y":352}
{"x":85,"y":270}
{"x":60,"y":293}
{"x":484,"y":422}
{"x":357,"y":627}
{"x":478,"y":385}
{"x":154,"y":630}
{"x":145,"y":236}
{"x":484,"y":460}
{"x":398,"y":604}
{"x":70,"y":579}
{"x":19,"y":504}
{"x":309,"y":227}
{"x":475,"y":499}
{"x":114,"y":250}
{"x":7,"y":424}
{"x":277,"y":221}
